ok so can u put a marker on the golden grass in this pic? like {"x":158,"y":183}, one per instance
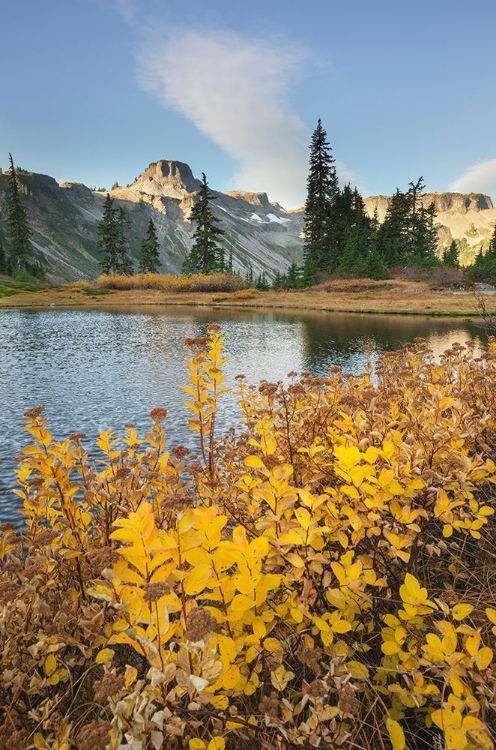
{"x":363,"y":296}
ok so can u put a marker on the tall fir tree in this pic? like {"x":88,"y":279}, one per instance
{"x":4,"y":268}
{"x":206,"y":254}
{"x":125,"y":265}
{"x":149,"y":261}
{"x":20,"y":247}
{"x":322,"y":191}
{"x":484,"y":266}
{"x":408,"y":234}
{"x":113,"y":241}
{"x":451,"y":255}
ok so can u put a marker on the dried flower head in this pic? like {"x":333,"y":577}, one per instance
{"x":154,"y":591}
{"x":199,"y":624}
{"x":34,"y":412}
{"x":102,"y":558}
{"x":348,"y":702}
{"x":94,"y":736}
{"x":110,"y":684}
{"x":76,"y":437}
{"x":317,"y":689}
{"x":180,"y":452}
{"x":8,"y":591}
{"x":46,"y":537}
{"x":158,"y":414}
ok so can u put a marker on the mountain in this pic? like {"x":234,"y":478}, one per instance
{"x":263,"y":236}
{"x":466,"y":217}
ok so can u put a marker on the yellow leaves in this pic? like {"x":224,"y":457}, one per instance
{"x":197,"y":579}
{"x":254,"y":462}
{"x":217,"y":743}
{"x":54,"y":674}
{"x":106,"y":654}
{"x":50,"y":665}
{"x":138,"y":529}
{"x":491,"y":615}
{"x":396,"y":734}
{"x":289,"y":555}
{"x":280,"y":678}
{"x":414,"y":598}
{"x":461,"y":611}
{"x":460,"y":730}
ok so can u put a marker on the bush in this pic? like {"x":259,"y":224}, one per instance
{"x":325,"y":579}
{"x":215,"y":282}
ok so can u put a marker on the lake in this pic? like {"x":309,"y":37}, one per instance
{"x":100,"y":369}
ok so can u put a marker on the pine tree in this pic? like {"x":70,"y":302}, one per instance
{"x":3,"y":259}
{"x":149,"y":257}
{"x":451,"y":256}
{"x":484,"y":266}
{"x":206,"y":254}
{"x":20,"y":247}
{"x":113,"y":241}
{"x":408,"y":234}
{"x":322,"y":191}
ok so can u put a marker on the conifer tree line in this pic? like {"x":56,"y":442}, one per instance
{"x":113,"y":243}
{"x":340,"y":238}
{"x":19,"y":258}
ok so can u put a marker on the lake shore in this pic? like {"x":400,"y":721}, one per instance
{"x":397,"y":297}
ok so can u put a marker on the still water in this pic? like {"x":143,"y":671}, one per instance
{"x":95,"y":369}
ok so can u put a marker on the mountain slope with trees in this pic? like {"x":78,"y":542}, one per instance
{"x":261,"y":236}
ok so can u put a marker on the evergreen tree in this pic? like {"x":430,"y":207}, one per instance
{"x":322,"y":191}
{"x":20,"y":247}
{"x":149,"y":257}
{"x":293,"y":277}
{"x":113,"y":241}
{"x":206,"y":254}
{"x":484,"y":267}
{"x":3,"y":259}
{"x":451,"y":256}
{"x":408,"y":234}
{"x":125,"y":264}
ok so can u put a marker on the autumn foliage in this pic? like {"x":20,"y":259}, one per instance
{"x":322,"y":577}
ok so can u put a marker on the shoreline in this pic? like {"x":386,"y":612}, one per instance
{"x":404,"y":299}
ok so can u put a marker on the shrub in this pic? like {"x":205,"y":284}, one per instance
{"x":215,"y":282}
{"x":324,"y":579}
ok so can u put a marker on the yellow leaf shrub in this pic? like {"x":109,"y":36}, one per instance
{"x":324,"y":577}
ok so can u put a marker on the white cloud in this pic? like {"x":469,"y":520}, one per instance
{"x":235,"y":90}
{"x":479,"y":178}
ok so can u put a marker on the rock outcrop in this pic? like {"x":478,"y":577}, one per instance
{"x":261,"y":235}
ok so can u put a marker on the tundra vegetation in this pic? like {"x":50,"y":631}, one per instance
{"x":323,"y":576}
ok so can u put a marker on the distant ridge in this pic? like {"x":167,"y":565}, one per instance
{"x":262,"y":236}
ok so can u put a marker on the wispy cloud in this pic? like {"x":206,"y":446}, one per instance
{"x":235,"y":90}
{"x":479,"y":178}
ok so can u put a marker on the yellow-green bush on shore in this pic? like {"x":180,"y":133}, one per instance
{"x":214,"y":282}
{"x":325,"y":579}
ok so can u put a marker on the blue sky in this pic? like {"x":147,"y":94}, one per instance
{"x":94,"y":90}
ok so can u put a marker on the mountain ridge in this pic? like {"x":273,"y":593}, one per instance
{"x":262,"y":235}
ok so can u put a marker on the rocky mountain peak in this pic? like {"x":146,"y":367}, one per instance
{"x":255,"y":199}
{"x":457,"y":203}
{"x":170,"y":179}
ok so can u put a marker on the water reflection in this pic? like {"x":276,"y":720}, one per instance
{"x":95,"y":370}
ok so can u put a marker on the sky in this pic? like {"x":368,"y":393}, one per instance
{"x":93,"y":91}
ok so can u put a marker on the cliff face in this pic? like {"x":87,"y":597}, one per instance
{"x":457,"y":203}
{"x":261,"y":235}
{"x":466,"y":217}
{"x":63,"y":218}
